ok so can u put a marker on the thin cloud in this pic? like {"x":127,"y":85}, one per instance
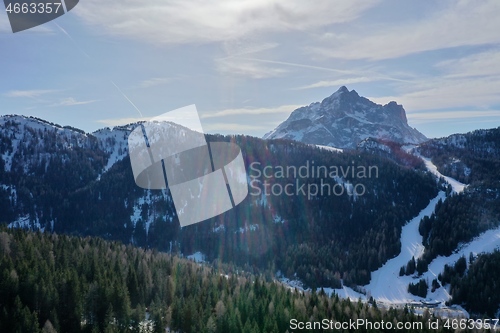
{"x":247,"y":68}
{"x":462,"y":23}
{"x":427,"y":117}
{"x":232,"y":128}
{"x":70,"y":101}
{"x":251,"y":111}
{"x":156,"y":81}
{"x":339,"y":82}
{"x":199,"y":21}
{"x":121,"y":121}
{"x":480,"y":64}
{"x":306,"y":66}
{"x":239,"y":48}
{"x":441,"y":92}
{"x":28,"y":93}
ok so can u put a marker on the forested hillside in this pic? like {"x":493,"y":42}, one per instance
{"x":62,"y":180}
{"x":473,"y":158}
{"x":55,"y":283}
{"x":469,"y":158}
{"x":475,"y":285}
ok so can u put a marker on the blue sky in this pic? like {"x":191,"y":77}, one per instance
{"x":247,"y":64}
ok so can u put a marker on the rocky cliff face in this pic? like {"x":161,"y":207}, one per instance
{"x":344,"y":119}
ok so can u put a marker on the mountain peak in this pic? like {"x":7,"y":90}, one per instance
{"x":343,"y":89}
{"x":344,"y":119}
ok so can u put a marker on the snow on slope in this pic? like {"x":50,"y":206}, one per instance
{"x":388,"y":288}
{"x":386,"y":285}
{"x":455,"y":184}
{"x":197,"y":257}
{"x":114,"y":142}
{"x":24,"y":222}
{"x":24,"y":131}
{"x":484,"y":243}
{"x":337,"y":150}
{"x":344,"y":119}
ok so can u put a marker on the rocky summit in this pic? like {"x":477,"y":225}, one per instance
{"x":344,"y":119}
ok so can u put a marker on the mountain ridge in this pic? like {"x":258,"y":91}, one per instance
{"x":344,"y":119}
{"x":62,"y":180}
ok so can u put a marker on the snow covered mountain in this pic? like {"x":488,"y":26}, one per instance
{"x":29,"y":143}
{"x":63,"y":180}
{"x":344,"y":119}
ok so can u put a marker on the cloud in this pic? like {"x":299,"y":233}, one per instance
{"x":460,"y":23}
{"x":339,"y":82}
{"x":480,"y":64}
{"x":28,"y":93}
{"x":200,"y":21}
{"x":242,"y":47}
{"x":70,"y":101}
{"x":301,"y":65}
{"x":446,"y":91}
{"x":156,"y":81}
{"x":472,"y":81}
{"x":251,"y":111}
{"x":232,"y":128}
{"x":427,"y":117}
{"x":121,"y":121}
{"x":248,"y":68}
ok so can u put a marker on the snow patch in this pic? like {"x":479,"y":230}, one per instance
{"x":219,"y":228}
{"x":251,"y":227}
{"x":337,"y":150}
{"x":24,"y":222}
{"x":197,"y":257}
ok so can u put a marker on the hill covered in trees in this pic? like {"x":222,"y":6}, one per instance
{"x":62,"y":180}
{"x":56,"y":283}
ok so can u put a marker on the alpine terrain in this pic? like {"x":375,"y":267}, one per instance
{"x":389,"y":219}
{"x":344,"y":119}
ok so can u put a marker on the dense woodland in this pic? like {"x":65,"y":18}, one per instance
{"x":419,"y":288}
{"x":55,"y":283}
{"x":473,"y":158}
{"x":475,"y":284}
{"x":459,"y":219}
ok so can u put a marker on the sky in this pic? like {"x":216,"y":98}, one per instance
{"x":248,"y":64}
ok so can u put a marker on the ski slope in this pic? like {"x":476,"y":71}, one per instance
{"x":455,"y":184}
{"x":390,"y":289}
{"x":386,"y":285}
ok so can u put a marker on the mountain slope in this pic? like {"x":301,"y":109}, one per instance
{"x":75,"y":189}
{"x":344,"y":119}
{"x":56,"y":283}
